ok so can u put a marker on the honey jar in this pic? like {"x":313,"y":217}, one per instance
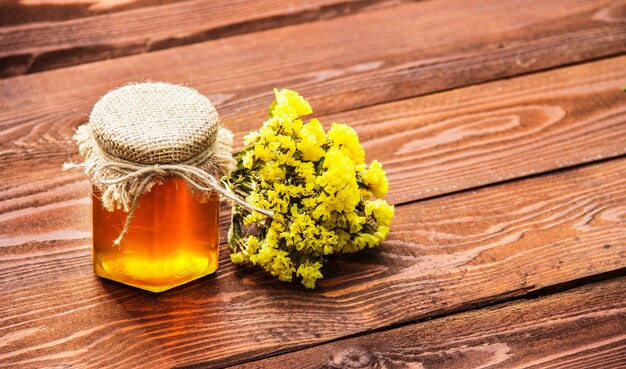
{"x":154,"y":153}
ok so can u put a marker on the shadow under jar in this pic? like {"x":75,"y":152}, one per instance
{"x":173,"y":238}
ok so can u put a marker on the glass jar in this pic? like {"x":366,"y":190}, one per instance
{"x":173,"y":238}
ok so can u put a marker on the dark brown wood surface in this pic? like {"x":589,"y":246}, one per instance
{"x":501,"y":119}
{"x":460,"y":40}
{"x":503,"y":189}
{"x":581,"y":328}
{"x":46,"y":45}
{"x":445,"y":254}
{"x":510,"y":129}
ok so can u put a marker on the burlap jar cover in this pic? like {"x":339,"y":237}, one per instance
{"x":140,"y":134}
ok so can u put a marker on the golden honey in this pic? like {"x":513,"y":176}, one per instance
{"x":173,"y":238}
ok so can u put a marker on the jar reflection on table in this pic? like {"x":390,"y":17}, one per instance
{"x":173,"y":238}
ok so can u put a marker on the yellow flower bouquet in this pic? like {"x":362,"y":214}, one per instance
{"x":323,"y":197}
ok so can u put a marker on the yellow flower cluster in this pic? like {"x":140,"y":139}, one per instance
{"x":325,"y":199}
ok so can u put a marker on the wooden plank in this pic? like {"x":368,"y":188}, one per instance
{"x":48,"y":45}
{"x":498,"y":131}
{"x":351,"y":63}
{"x":444,"y":254}
{"x":429,"y":145}
{"x":581,"y":328}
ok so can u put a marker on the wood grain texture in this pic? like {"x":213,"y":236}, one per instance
{"x":352,"y":61}
{"x":498,"y":131}
{"x":13,"y":12}
{"x":581,"y":328}
{"x":429,"y":145}
{"x":38,"y":113}
{"x":444,"y":254}
{"x":44,"y":207}
{"x":41,"y":46}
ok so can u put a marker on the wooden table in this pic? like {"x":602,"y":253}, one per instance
{"x":502,"y":127}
